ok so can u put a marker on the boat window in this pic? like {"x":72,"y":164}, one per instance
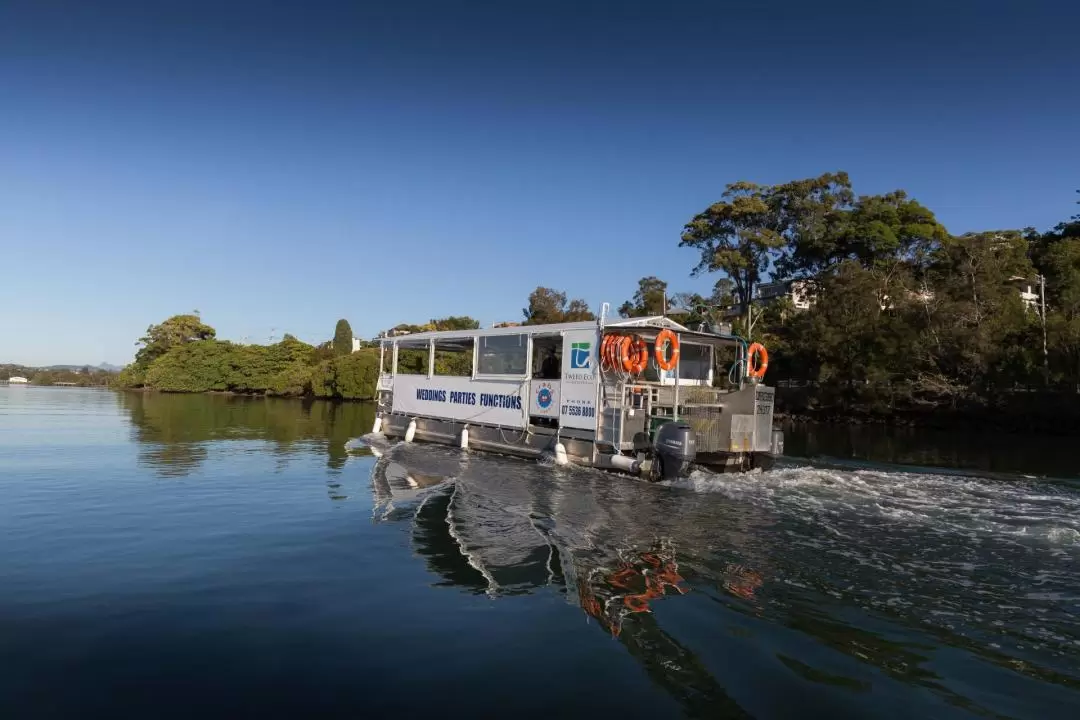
{"x":547,"y":357}
{"x":454,"y":357}
{"x":694,"y":362}
{"x":412,"y":357}
{"x":502,"y":355}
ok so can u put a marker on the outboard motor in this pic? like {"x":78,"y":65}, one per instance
{"x":674,"y":448}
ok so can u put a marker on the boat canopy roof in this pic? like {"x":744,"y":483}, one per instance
{"x":658,"y":322}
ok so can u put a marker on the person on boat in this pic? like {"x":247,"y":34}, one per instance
{"x":550,"y":369}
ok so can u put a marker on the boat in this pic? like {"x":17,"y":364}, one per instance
{"x":640,"y":396}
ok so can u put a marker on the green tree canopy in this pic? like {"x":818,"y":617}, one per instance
{"x":548,"y":306}
{"x":176,"y":331}
{"x":454,"y":322}
{"x":342,"y":337}
{"x":650,"y":299}
{"x":739,"y":236}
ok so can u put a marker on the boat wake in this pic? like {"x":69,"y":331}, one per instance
{"x":1023,"y":510}
{"x":983,"y":564}
{"x":991,"y":561}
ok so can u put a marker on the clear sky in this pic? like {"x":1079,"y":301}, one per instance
{"x":278,"y":165}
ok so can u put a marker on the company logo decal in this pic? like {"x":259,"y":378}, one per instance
{"x":580,"y":356}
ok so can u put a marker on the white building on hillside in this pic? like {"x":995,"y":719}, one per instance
{"x":798,"y":291}
{"x":1029,"y":292}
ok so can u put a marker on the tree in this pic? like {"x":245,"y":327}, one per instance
{"x":701,"y":308}
{"x":454,"y":322}
{"x":342,"y":338}
{"x":812,"y":214}
{"x":1062,"y":269}
{"x":577,"y":310}
{"x":650,"y":299}
{"x":976,"y":320}
{"x":547,"y":306}
{"x":349,"y":377}
{"x":738,"y":236}
{"x":850,"y":335}
{"x":176,"y":331}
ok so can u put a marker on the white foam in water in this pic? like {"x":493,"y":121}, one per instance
{"x":987,"y":558}
{"x":942,"y":503}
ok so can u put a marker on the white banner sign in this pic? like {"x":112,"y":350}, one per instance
{"x":494,"y":402}
{"x":545,"y":398}
{"x":579,"y":377}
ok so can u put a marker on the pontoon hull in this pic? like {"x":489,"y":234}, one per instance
{"x":539,"y":441}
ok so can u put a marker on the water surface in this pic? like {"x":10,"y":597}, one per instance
{"x":174,"y":556}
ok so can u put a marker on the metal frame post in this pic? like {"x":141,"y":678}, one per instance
{"x":675,"y":410}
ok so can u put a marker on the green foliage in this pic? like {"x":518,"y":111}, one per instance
{"x":739,"y":236}
{"x":192,"y":367}
{"x":342,"y":337}
{"x":85,"y":376}
{"x":176,"y":331}
{"x":458,"y":364}
{"x":350,"y":377}
{"x":548,"y":306}
{"x":284,"y":368}
{"x":896,"y":300}
{"x":463,"y":322}
{"x":133,"y":376}
{"x":650,"y":299}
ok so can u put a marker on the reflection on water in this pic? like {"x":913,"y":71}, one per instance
{"x":993,"y":452}
{"x":289,"y":576}
{"x":853,"y":584}
{"x":175,"y":431}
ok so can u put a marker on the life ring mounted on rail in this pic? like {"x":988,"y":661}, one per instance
{"x":757,"y":361}
{"x":628,"y":353}
{"x":665,"y":339}
{"x":634,"y":354}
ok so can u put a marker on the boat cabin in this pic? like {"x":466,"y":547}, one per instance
{"x":597,"y":391}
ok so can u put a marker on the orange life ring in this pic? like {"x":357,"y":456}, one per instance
{"x":608,"y":351}
{"x":757,"y":361}
{"x":628,"y":353}
{"x":605,"y":346}
{"x":663,"y":339}
{"x":634,"y":354}
{"x":614,"y":351}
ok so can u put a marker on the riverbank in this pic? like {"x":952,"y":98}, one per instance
{"x":1036,"y":412}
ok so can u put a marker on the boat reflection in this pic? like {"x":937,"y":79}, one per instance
{"x":611,"y":595}
{"x":502,"y":536}
{"x":643,"y":563}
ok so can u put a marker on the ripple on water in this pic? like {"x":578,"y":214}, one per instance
{"x":991,"y":561}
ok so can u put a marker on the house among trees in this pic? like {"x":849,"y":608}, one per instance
{"x":1028,"y":292}
{"x":798,"y":291}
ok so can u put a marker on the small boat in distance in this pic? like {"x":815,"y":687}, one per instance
{"x":639,"y":395}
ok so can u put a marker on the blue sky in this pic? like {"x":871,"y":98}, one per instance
{"x":280,"y":165}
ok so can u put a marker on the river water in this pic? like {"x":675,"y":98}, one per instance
{"x":172,"y":556}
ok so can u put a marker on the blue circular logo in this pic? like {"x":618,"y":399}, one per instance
{"x":543,"y":398}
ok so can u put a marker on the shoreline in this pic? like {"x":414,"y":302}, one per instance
{"x":1051,"y":421}
{"x":943,"y":420}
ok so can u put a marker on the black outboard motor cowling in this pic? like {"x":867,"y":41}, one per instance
{"x":674,"y":448}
